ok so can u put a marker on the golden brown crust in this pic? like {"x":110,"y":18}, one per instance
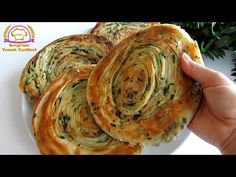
{"x":69,"y":51}
{"x":138,"y":92}
{"x":117,"y":31}
{"x":63,"y":124}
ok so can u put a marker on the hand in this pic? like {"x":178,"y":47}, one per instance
{"x":215,"y":121}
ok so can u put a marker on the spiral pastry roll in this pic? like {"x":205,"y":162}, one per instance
{"x":63,"y":124}
{"x":138,"y":92}
{"x":66,"y":52}
{"x":117,"y":31}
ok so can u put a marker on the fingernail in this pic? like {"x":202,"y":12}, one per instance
{"x":186,"y":57}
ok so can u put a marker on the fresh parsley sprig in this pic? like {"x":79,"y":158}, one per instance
{"x":214,"y":38}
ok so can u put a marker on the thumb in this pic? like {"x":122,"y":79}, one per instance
{"x":205,"y":76}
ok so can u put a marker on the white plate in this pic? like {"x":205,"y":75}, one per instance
{"x":168,"y":148}
{"x":27,"y":115}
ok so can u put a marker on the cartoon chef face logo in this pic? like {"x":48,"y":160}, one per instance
{"x":19,"y":34}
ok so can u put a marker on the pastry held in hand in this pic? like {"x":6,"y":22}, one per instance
{"x":63,"y":124}
{"x":66,"y":52}
{"x":138,"y":92}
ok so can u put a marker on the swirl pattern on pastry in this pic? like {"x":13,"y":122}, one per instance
{"x":117,"y":31}
{"x":138,"y":92}
{"x":63,"y":124}
{"x":66,"y":52}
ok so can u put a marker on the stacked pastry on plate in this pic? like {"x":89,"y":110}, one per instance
{"x":112,"y":91}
